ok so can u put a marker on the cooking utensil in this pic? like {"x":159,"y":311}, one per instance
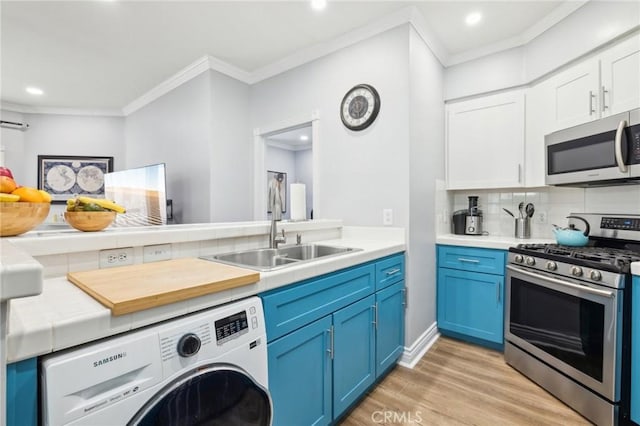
{"x":572,"y":236}
{"x":510,"y":214}
{"x":530,"y":209}
{"x":521,"y":209}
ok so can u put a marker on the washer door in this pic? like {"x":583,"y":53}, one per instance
{"x":218,"y":394}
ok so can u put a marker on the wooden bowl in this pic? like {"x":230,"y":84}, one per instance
{"x":89,"y":221}
{"x":19,"y":217}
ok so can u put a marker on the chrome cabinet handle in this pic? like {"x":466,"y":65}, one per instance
{"x":375,"y":315}
{"x":604,"y":104}
{"x":404,"y":298}
{"x":393,"y":271}
{"x":498,"y":288}
{"x":584,"y":288}
{"x":591,"y":97}
{"x":330,"y":350}
{"x":462,"y":259}
{"x":519,"y":173}
{"x":618,"y":146}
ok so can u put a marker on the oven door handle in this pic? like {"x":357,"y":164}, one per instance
{"x":618,"y":147}
{"x":564,"y":283}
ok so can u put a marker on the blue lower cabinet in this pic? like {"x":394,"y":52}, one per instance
{"x":390,"y":326}
{"x":354,"y":365}
{"x":300,"y":375}
{"x":635,"y":351}
{"x":22,"y":393}
{"x":471,"y":304}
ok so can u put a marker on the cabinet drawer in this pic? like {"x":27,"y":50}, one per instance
{"x":290,"y":308}
{"x":488,"y":261}
{"x":389,"y":271}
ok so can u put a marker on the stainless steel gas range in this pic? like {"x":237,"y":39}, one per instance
{"x":568,"y":310}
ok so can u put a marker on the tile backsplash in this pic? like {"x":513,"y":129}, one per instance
{"x":552,"y":205}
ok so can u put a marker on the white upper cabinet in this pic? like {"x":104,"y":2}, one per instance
{"x":539,"y":122}
{"x":606,"y":84}
{"x":620,"y":88}
{"x":485,"y":142}
{"x":574,"y":95}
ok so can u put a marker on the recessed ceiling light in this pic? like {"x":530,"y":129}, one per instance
{"x":34,"y":90}
{"x":473,"y":18}
{"x":304,"y":138}
{"x":318,"y":4}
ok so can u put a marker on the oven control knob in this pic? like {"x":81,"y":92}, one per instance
{"x":576,"y":271}
{"x":518,"y":258}
{"x":552,"y":266}
{"x":531,"y":261}
{"x":189,"y":345}
{"x":595,"y":275}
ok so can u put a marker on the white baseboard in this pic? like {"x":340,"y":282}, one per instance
{"x":416,"y":351}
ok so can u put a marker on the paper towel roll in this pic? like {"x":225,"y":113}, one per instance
{"x":298,"y":201}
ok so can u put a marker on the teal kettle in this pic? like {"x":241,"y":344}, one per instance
{"x":572,"y":236}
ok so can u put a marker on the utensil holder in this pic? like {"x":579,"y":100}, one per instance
{"x":523,"y":228}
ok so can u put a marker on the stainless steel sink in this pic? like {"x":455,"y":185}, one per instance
{"x":268,"y":259}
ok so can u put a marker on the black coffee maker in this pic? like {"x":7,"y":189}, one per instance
{"x":469,"y":221}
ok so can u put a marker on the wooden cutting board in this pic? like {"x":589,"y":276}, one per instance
{"x":132,"y":288}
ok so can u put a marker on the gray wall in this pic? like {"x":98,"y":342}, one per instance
{"x":361,"y":173}
{"x":392,"y":164}
{"x":201,"y":132}
{"x":426,"y":165}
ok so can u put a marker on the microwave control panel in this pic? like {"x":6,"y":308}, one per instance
{"x":635,"y":144}
{"x":623,"y":223}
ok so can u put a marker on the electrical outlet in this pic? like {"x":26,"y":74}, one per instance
{"x":540,"y":217}
{"x":156,"y":253}
{"x":387,"y":217}
{"x":116,"y":257}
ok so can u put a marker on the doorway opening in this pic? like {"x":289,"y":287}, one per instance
{"x":290,"y":152}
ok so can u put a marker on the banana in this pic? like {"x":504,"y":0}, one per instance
{"x":9,"y":197}
{"x":107,"y":204}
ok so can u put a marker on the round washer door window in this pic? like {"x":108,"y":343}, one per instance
{"x":208,"y":396}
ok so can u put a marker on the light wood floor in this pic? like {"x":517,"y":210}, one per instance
{"x":457,"y":383}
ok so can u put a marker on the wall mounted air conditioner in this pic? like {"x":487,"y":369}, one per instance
{"x":14,"y":125}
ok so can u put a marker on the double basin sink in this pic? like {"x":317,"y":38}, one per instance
{"x":268,"y":259}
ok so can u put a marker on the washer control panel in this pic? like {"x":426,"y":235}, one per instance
{"x":230,"y":327}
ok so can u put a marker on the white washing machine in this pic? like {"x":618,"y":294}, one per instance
{"x":208,"y":368}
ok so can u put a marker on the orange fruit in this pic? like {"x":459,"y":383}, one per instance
{"x":7,"y":184}
{"x":28,"y":194}
{"x":46,"y":197}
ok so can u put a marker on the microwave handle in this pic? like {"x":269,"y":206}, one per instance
{"x":618,"y":146}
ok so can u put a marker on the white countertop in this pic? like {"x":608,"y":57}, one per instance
{"x":63,"y":315}
{"x":635,"y":268}
{"x":489,"y":241}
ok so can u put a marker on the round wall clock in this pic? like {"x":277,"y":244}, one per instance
{"x":359,"y":107}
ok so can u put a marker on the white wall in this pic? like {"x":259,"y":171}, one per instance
{"x":426,"y":165}
{"x":12,"y":146}
{"x":231,"y":161}
{"x":360,"y":173}
{"x":588,"y":28}
{"x":201,"y":131}
{"x":304,"y":174}
{"x":176,"y":129}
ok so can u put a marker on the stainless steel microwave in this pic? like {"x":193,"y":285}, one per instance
{"x":598,"y":153}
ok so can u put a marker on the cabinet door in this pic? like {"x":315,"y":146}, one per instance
{"x":389,"y":326}
{"x":539,"y":122}
{"x":22,"y":393}
{"x":354,"y":345}
{"x":485,"y":142}
{"x":300,"y":376}
{"x":471,"y":303}
{"x":575,"y":95}
{"x":635,"y":351}
{"x":620,"y":89}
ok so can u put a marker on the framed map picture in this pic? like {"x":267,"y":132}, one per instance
{"x":66,"y":177}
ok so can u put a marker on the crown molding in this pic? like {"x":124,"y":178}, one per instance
{"x":288,"y":147}
{"x":32,"y":109}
